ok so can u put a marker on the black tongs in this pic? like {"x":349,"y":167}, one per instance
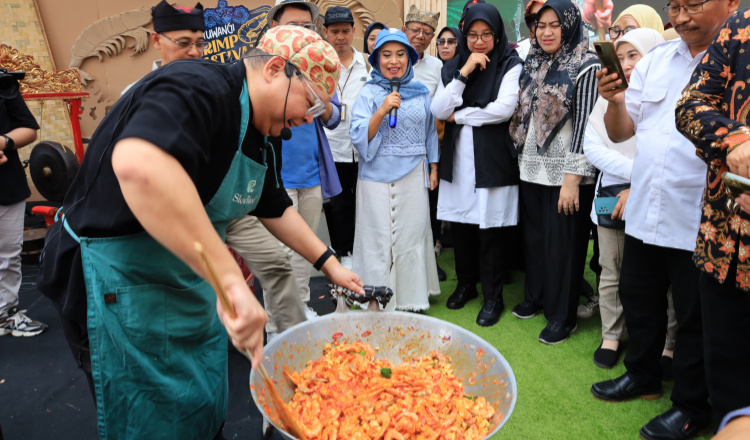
{"x":374,"y":296}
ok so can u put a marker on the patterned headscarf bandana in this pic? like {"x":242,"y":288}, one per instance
{"x":306,"y":50}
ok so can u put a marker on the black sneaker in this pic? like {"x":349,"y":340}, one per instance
{"x":526,"y":310}
{"x":555,"y":333}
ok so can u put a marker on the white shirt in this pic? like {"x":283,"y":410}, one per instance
{"x":524,"y":46}
{"x":664,"y":206}
{"x":350,"y":84}
{"x":155,"y":65}
{"x":427,"y":71}
{"x":460,"y":200}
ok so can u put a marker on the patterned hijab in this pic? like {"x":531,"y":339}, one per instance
{"x":548,"y":81}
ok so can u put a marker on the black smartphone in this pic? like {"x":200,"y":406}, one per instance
{"x":608,"y":58}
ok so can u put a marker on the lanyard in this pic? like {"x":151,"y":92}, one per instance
{"x":341,"y":89}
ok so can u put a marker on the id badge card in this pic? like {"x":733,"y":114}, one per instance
{"x":343,"y":112}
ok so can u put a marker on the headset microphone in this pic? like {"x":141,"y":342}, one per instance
{"x":286,"y":133}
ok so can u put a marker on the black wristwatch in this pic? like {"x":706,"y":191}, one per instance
{"x":460,"y":77}
{"x":323,"y":258}
{"x":9,"y":144}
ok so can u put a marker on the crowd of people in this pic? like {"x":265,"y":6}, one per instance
{"x":490,"y":137}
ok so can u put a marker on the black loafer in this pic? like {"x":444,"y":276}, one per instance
{"x":490,"y":313}
{"x":605,"y":357}
{"x":673,"y":425}
{"x":624,"y":388}
{"x":463,"y":294}
{"x":441,"y":273}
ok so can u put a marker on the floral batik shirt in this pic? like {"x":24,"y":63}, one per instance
{"x":713,"y":115}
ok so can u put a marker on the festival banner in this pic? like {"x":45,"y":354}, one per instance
{"x":232,"y":30}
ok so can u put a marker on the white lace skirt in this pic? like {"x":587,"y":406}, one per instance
{"x":393,"y":241}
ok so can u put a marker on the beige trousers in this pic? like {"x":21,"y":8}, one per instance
{"x":309,"y":204}
{"x":269,"y":262}
{"x":611,"y":244}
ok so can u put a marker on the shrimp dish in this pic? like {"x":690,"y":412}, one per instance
{"x":349,"y":394}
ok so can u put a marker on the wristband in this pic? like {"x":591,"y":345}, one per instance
{"x":9,"y":144}
{"x":323,"y":258}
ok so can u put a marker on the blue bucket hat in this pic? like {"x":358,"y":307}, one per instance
{"x":392,"y":34}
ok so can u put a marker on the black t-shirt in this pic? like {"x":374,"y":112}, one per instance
{"x":13,"y":186}
{"x":189,"y":108}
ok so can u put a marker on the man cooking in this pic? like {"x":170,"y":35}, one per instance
{"x":179,"y":156}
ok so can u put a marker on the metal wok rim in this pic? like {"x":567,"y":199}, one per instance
{"x":488,"y":348}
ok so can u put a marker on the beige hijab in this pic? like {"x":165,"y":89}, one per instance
{"x":643,"y":39}
{"x":645,"y":15}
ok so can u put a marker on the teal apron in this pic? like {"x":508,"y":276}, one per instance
{"x":158,"y":348}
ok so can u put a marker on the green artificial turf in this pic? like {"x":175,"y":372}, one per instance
{"x":554,"y":382}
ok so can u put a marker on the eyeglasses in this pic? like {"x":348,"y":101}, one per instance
{"x":487,"y":36}
{"x":318,"y":108}
{"x":446,"y":41}
{"x":310,"y":26}
{"x":690,"y":8}
{"x":200,"y":45}
{"x":530,"y":20}
{"x":615,"y":32}
{"x":426,"y":34}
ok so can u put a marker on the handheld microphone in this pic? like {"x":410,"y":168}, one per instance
{"x":395,"y":87}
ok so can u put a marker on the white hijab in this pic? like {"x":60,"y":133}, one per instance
{"x":643,"y":39}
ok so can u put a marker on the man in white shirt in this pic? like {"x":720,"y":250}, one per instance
{"x":339,"y":30}
{"x":663,"y":210}
{"x":420,"y":29}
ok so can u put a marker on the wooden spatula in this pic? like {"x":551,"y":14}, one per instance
{"x":286,"y":416}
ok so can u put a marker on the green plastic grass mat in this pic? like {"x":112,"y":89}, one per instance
{"x":554,"y":382}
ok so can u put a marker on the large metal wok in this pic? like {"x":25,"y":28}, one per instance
{"x":485,"y":373}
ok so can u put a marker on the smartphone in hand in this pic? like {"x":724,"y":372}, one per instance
{"x":608,"y":58}
{"x":605,"y":205}
{"x":737,"y":184}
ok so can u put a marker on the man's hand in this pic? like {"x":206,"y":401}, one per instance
{"x":246,"y":329}
{"x":568,"y":201}
{"x":607,"y":87}
{"x":619,"y":210}
{"x":341,"y":276}
{"x":737,"y":429}
{"x":738,"y":159}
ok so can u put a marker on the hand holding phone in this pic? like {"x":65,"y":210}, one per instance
{"x":607,"y":54}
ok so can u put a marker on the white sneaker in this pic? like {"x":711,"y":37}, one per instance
{"x":310,"y":313}
{"x":346,"y":261}
{"x":588,"y":309}
{"x":18,"y":324}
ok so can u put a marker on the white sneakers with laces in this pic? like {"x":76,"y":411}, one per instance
{"x":16,"y":323}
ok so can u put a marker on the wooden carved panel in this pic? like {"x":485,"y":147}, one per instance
{"x":38,"y":80}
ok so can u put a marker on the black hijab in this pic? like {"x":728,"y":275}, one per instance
{"x":493,"y":165}
{"x":373,"y":26}
{"x":459,"y":40}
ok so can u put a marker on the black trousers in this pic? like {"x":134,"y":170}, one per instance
{"x":481,"y":255}
{"x":647,"y":272}
{"x":340,"y":212}
{"x":434,"y":222}
{"x":726,"y":341}
{"x":555,"y":247}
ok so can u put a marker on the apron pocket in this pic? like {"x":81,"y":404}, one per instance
{"x":158,"y":319}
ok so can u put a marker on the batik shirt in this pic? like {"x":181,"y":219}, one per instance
{"x":713,"y":115}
